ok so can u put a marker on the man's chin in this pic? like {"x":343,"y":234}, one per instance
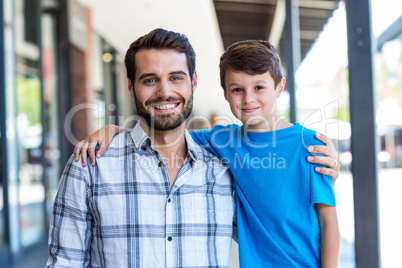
{"x":163,"y":125}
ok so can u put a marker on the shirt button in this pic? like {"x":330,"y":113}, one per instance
{"x":169,"y":200}
{"x":160,"y":164}
{"x":169,"y":238}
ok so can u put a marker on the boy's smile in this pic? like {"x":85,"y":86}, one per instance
{"x":252,"y":99}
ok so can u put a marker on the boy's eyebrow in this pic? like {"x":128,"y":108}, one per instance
{"x":154,"y":74}
{"x":261,"y":81}
{"x":257,"y":81}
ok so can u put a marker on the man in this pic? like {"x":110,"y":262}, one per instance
{"x":155,"y":198}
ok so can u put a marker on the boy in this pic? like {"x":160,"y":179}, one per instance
{"x":286,"y":213}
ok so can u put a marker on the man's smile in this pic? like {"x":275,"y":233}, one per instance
{"x":165,"y":107}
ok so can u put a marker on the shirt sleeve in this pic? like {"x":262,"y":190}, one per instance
{"x":321,"y":190}
{"x":214,"y":140}
{"x":70,"y":229}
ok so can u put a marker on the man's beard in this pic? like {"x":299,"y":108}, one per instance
{"x":167,"y":121}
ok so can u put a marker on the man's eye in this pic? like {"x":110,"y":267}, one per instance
{"x":176,"y":78}
{"x":149,"y":81}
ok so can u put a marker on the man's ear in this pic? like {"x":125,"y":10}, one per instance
{"x":194,"y":81}
{"x":280,"y":87}
{"x":130,"y":87}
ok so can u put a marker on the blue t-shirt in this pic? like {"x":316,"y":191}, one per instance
{"x":276,"y":191}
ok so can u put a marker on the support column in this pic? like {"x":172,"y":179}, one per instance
{"x":364,"y":140}
{"x":292,"y":27}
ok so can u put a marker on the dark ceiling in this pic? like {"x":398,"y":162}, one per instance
{"x":253,"y":19}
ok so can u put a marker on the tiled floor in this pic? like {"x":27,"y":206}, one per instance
{"x":35,"y":260}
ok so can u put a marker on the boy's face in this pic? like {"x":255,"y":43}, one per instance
{"x":252,"y":98}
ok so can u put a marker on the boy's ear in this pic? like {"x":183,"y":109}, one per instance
{"x":280,"y":87}
{"x":225,"y":94}
{"x":130,"y":87}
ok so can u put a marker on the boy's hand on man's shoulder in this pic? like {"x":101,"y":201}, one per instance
{"x":330,"y":158}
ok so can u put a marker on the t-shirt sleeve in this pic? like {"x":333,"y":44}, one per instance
{"x":211,"y":139}
{"x":321,"y":190}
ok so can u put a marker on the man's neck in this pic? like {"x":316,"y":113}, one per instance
{"x":171,"y":146}
{"x":168,"y":143}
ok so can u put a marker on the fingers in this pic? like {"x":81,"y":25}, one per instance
{"x":333,"y":166}
{"x":325,"y":161}
{"x":102,"y":149}
{"x":77,"y":150}
{"x":329,"y":172}
{"x":325,"y":140}
{"x":87,"y":148}
{"x":325,"y":150}
{"x":91,"y":154}
{"x":84,"y":150}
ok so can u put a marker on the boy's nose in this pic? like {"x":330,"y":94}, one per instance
{"x":248,"y":98}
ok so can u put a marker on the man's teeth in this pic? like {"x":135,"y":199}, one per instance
{"x":165,"y":107}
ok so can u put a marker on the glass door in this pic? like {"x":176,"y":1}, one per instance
{"x":31,"y":191}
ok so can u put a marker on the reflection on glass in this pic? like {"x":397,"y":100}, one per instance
{"x":52,"y":129}
{"x":323,"y":99}
{"x":388,"y":63}
{"x":31,"y":190}
{"x":2,"y":219}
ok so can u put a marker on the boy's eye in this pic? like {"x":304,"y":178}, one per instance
{"x":236,"y":90}
{"x":259,"y":87}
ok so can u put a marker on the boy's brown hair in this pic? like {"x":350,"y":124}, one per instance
{"x":251,"y":57}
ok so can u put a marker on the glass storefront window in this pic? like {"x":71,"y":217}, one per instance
{"x":31,"y":194}
{"x":2,"y":216}
{"x":52,"y":153}
{"x":324,"y":75}
{"x":387,"y":28}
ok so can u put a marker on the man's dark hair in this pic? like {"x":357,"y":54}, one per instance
{"x":251,"y":57}
{"x":159,"y":39}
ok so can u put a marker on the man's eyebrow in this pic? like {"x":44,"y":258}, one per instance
{"x":146,"y":75}
{"x":154,"y":74}
{"x":179,"y":72}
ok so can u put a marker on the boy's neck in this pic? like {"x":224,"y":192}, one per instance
{"x":271,"y":124}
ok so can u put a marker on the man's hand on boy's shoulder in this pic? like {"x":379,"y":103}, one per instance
{"x":97,"y":144}
{"x":330,"y":158}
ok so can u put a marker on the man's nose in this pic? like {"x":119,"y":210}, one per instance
{"x":164,"y":89}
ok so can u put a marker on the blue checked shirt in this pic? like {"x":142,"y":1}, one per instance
{"x":123,"y":213}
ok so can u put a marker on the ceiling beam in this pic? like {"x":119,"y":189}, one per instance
{"x":330,"y":5}
{"x":278,"y":23}
{"x":260,"y":2}
{"x":245,"y":8}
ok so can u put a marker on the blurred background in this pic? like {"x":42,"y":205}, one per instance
{"x":62,"y":77}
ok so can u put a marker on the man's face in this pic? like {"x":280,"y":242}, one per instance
{"x":163,"y":89}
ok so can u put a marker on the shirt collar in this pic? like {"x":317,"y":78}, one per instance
{"x":141,"y":140}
